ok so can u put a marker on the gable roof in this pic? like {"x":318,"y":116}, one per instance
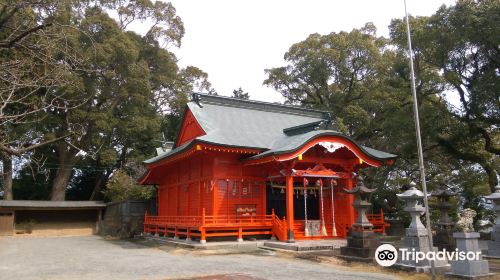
{"x":252,"y":124}
{"x":259,"y":125}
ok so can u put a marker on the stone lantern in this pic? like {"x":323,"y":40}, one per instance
{"x":361,"y":240}
{"x":444,"y":233}
{"x":494,"y":243}
{"x":411,"y":197}
{"x":416,"y":238}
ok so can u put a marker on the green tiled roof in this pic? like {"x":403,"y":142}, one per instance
{"x":273,"y":128}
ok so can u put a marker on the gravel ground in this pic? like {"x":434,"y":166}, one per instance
{"x":92,"y":257}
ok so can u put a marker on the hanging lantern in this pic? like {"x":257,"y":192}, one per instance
{"x":282,"y":190}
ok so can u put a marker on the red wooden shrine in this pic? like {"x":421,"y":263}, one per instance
{"x":245,"y":168}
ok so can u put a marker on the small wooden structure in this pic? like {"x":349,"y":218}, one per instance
{"x":241,"y":168}
{"x":50,"y":217}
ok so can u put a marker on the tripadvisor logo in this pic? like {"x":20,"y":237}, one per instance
{"x":387,"y":255}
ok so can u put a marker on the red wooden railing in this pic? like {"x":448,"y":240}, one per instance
{"x":279,"y":227}
{"x":223,"y":225}
{"x":209,"y":225}
{"x":378,"y":221}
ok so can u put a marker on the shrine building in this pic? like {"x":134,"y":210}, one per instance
{"x":241,"y":168}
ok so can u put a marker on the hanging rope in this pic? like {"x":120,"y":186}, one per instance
{"x":306,"y":228}
{"x":333,"y":183}
{"x":323,"y":228}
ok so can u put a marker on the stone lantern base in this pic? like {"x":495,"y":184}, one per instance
{"x":419,"y":244}
{"x":494,"y":244}
{"x":470,"y":269}
{"x":361,"y":246}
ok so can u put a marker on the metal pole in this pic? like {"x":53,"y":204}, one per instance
{"x":419,"y":141}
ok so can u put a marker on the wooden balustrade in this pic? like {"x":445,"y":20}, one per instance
{"x":204,"y":226}
{"x":279,"y":227}
{"x":378,"y":221}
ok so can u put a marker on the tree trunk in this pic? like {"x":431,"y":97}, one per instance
{"x":101,"y":181}
{"x":60,"y":183}
{"x":66,"y":162}
{"x":7,"y":176}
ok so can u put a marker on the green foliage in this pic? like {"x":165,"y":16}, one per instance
{"x":122,"y":186}
{"x":129,"y":88}
{"x":240,"y":94}
{"x":30,"y":185}
{"x":457,"y":56}
{"x":363,"y":80}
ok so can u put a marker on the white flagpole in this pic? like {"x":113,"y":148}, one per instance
{"x":419,"y":141}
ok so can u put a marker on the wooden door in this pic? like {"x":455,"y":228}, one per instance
{"x":6,"y":223}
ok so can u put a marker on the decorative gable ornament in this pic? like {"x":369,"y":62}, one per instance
{"x":331,"y":147}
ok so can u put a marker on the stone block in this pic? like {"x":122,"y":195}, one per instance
{"x":467,"y":241}
{"x":360,"y":245}
{"x":363,"y":242}
{"x":466,"y":235}
{"x":470,"y":268}
{"x":416,"y":232}
{"x":495,"y":236}
{"x":494,"y":248}
{"x":420,"y":243}
{"x":363,"y":253}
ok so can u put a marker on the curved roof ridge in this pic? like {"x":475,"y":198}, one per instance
{"x":227,"y":101}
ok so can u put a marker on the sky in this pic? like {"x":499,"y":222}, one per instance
{"x":235,"y":40}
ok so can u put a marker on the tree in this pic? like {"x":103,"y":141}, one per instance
{"x":128,"y":82}
{"x":465,"y":66}
{"x":35,"y":69}
{"x":363,"y":80}
{"x":136,"y":82}
{"x":122,"y":186}
{"x":240,"y":94}
{"x":36,"y":63}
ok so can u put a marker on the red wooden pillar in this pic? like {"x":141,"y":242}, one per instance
{"x":240,"y":234}
{"x":203,"y":232}
{"x":289,"y":208}
{"x":350,"y":199}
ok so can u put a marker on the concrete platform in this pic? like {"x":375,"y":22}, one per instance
{"x":215,"y":245}
{"x":307,"y":245}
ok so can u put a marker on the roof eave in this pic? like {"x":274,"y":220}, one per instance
{"x":385,"y":160}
